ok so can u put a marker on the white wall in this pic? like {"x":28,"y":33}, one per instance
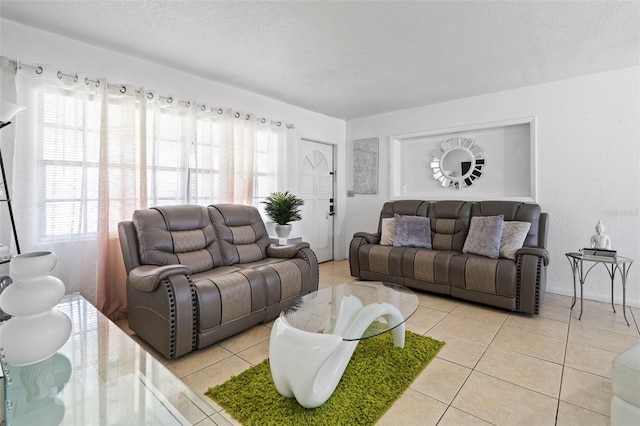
{"x":33,"y":46}
{"x":588,"y":143}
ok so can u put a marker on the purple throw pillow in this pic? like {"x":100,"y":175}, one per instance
{"x":412,"y":231}
{"x":484,"y":236}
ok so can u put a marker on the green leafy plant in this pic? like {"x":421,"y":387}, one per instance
{"x":283,"y":207}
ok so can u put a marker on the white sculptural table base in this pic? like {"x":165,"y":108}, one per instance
{"x":312,"y":342}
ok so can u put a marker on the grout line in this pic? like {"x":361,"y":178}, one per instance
{"x":473,"y":369}
{"x":564,"y":362}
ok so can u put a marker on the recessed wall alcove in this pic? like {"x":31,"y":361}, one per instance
{"x":509,"y":173}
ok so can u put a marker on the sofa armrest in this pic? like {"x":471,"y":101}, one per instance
{"x":147,"y":277}
{"x":359,"y":239}
{"x":543,"y":253}
{"x":369,"y":237}
{"x":286,"y":252}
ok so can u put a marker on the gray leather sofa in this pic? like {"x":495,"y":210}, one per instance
{"x":518,"y":285}
{"x":197,"y":275}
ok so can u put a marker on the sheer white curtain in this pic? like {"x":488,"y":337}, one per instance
{"x":88,"y":153}
{"x":75,"y":167}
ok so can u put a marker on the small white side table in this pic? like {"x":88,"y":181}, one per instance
{"x":285,"y":241}
{"x":619,"y":264}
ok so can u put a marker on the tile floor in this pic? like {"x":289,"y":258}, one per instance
{"x":497,"y":367}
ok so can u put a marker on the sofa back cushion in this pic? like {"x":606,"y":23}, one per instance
{"x":513,"y":210}
{"x":182,"y":234}
{"x":242,"y":235}
{"x":403,"y":208}
{"x":449,"y":224}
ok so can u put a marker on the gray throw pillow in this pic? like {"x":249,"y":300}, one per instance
{"x":484,"y":236}
{"x":513,"y":235}
{"x":388,"y":234}
{"x":412,"y":231}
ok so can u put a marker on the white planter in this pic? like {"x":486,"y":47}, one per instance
{"x":35,"y":332}
{"x":283,"y":231}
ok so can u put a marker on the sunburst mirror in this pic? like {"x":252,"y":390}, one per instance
{"x":458,"y":162}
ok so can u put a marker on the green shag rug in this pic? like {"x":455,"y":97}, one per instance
{"x":376,"y":376}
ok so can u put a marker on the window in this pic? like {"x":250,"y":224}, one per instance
{"x":167,"y":147}
{"x":265,"y":177}
{"x":209,"y":160}
{"x":70,"y":149}
{"x":183,"y":158}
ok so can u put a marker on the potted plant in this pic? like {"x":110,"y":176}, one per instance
{"x":282,"y":208}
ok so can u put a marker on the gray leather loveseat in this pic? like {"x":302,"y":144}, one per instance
{"x":516,"y":283}
{"x":197,"y":275}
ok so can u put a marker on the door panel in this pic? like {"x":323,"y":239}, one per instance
{"x":316,"y":188}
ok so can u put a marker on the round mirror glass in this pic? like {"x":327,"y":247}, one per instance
{"x":458,"y":162}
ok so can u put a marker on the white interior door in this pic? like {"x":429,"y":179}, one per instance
{"x":316,"y":188}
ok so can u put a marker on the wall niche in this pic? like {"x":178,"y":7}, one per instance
{"x":509,"y":172}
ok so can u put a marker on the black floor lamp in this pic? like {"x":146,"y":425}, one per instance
{"x":7,"y":112}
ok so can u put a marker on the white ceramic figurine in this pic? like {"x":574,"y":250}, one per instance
{"x":600,"y":240}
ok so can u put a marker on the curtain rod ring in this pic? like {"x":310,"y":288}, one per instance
{"x":279,"y":123}
{"x":248,"y":117}
{"x":149,"y":95}
{"x":170,"y":100}
{"x":59,"y":74}
{"x":237,"y":115}
{"x":87,"y":81}
{"x":123,"y":89}
{"x":263,"y":121}
{"x":75,"y":79}
{"x":39,"y":70}
{"x":203,"y":107}
{"x":220,"y":111}
{"x":188,"y":104}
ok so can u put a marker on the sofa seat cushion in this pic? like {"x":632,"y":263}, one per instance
{"x":219,"y":271}
{"x":482,"y":274}
{"x":381,"y":259}
{"x":427,"y":265}
{"x":225,"y":297}
{"x":259,"y":263}
{"x":285,"y":280}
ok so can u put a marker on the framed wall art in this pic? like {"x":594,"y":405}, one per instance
{"x":365,"y":166}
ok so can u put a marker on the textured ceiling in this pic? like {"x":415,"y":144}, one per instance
{"x":354,"y":59}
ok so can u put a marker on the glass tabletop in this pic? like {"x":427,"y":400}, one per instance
{"x":615,"y":260}
{"x":100,"y":376}
{"x":320,"y":311}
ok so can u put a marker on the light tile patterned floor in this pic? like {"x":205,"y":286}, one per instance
{"x":497,"y":367}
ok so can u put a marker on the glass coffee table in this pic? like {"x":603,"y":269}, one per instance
{"x":313,"y":340}
{"x":100,"y":376}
